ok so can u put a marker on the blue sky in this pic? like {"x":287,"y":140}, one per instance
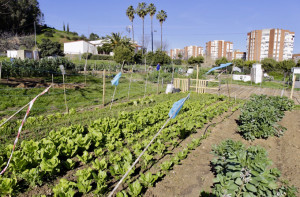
{"x":190,"y":22}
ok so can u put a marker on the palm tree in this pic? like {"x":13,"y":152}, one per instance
{"x":130,"y":13}
{"x":116,"y":39}
{"x":151,"y":10}
{"x":161,"y":16}
{"x":142,"y":12}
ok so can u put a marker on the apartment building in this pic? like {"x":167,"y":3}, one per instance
{"x":237,"y":54}
{"x":219,"y":48}
{"x":270,"y":43}
{"x":175,"y":52}
{"x":193,"y":51}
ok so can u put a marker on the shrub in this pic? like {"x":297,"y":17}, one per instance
{"x":101,"y":57}
{"x":75,"y":38}
{"x":62,"y":36}
{"x":177,"y":61}
{"x":68,"y":38}
{"x":48,"y":34}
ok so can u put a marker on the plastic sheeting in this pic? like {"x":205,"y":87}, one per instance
{"x":115,"y":80}
{"x":221,"y":66}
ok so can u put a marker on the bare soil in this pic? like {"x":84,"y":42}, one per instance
{"x":195,"y":175}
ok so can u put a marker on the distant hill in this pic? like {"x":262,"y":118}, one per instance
{"x":58,"y":36}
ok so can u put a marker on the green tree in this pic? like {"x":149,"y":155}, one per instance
{"x":18,"y":16}
{"x":64,"y":27}
{"x":287,"y":65}
{"x":238,"y":62}
{"x":196,"y":60}
{"x":122,"y":53}
{"x":94,"y":36}
{"x":105,"y":48}
{"x":161,"y":17}
{"x":222,"y":60}
{"x":151,"y":10}
{"x":115,"y":40}
{"x":249,"y":63}
{"x":141,"y":10}
{"x":68,"y":28}
{"x":298,"y":63}
{"x":158,"y":57}
{"x":269,"y":64}
{"x":130,"y":14}
{"x":49,"y":48}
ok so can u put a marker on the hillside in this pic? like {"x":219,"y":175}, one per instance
{"x":58,"y":36}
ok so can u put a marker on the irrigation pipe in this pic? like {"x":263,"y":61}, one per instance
{"x":135,"y":162}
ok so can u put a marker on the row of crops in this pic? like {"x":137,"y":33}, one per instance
{"x":100,"y":153}
{"x":248,"y":172}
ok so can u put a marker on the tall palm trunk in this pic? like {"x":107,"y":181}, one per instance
{"x":152,"y":33}
{"x":161,"y":36}
{"x":132,"y":34}
{"x":143,"y":38}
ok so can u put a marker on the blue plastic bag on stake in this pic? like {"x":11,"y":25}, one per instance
{"x":115,"y":80}
{"x":177,"y":107}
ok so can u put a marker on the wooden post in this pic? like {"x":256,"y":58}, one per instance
{"x":67,"y":109}
{"x":112,"y":100}
{"x":130,"y":83}
{"x":103,"y":96}
{"x":146,"y":84}
{"x":293,"y":85}
{"x":197,"y":78}
{"x":0,"y":70}
{"x":158,"y":81}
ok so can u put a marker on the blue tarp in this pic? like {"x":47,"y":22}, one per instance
{"x":177,"y":106}
{"x":221,"y":66}
{"x":115,"y":80}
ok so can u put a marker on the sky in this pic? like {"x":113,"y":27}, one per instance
{"x":189,"y":22}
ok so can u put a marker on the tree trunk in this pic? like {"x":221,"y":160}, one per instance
{"x":152,"y":33}
{"x":143,"y":38}
{"x":161,"y":36}
{"x":132,"y":32}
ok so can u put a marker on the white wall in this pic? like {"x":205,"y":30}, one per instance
{"x":12,"y":53}
{"x":79,"y":47}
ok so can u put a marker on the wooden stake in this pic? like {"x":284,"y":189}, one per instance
{"x":158,"y":81}
{"x":293,"y":85}
{"x":130,"y":83}
{"x":112,"y":100}
{"x":146,"y":84}
{"x":103,"y":96}
{"x":0,"y":70}
{"x":197,"y":78}
{"x":67,"y":109}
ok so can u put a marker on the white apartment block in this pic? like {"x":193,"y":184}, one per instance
{"x":193,"y":51}
{"x":270,"y":43}
{"x":219,"y":48}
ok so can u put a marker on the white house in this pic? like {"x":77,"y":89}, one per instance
{"x":80,"y":47}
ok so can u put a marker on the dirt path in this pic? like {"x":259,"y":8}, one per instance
{"x":194,"y":174}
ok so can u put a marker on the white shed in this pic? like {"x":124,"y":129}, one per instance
{"x":80,"y":47}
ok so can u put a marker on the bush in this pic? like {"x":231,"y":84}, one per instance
{"x":75,"y":38}
{"x":101,"y":57}
{"x":177,"y":61}
{"x":68,"y":38}
{"x":48,"y":34}
{"x":62,"y":36}
{"x":89,"y":55}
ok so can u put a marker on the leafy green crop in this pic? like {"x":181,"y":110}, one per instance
{"x":244,"y":171}
{"x":260,"y":115}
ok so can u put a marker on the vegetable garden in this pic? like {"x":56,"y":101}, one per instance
{"x":87,"y":152}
